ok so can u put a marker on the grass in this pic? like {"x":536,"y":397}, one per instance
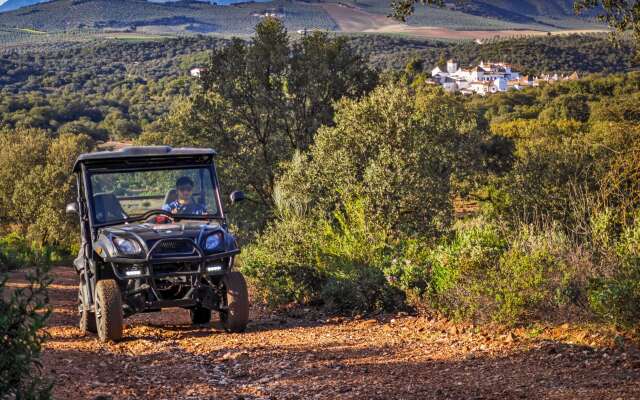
{"x":34,"y":31}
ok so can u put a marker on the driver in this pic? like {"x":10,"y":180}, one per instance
{"x":185,"y":204}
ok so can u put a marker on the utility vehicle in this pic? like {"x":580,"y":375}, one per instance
{"x":154,"y":235}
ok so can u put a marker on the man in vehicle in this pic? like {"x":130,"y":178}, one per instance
{"x":185,"y":204}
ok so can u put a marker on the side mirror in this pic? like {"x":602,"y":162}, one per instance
{"x":72,"y":208}
{"x":236,"y":196}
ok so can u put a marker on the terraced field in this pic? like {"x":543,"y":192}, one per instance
{"x":137,"y":19}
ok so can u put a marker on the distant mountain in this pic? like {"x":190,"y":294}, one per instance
{"x":9,"y":5}
{"x":519,"y":11}
{"x":15,"y":4}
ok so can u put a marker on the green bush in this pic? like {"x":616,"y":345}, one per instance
{"x":397,"y":150}
{"x":36,"y":183}
{"x":337,"y":263}
{"x":281,"y":265}
{"x":23,"y":313}
{"x":489,"y":272}
{"x":614,"y":295}
{"x":17,"y":251}
{"x":461,"y":267}
{"x":532,"y":278}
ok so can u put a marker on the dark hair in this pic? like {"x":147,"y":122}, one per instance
{"x":184,"y":181}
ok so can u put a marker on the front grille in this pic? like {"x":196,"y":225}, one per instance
{"x":175,"y":247}
{"x":168,"y":269}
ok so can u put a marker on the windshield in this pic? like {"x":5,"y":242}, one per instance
{"x":118,"y":196}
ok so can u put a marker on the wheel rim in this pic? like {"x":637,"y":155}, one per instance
{"x":80,"y":301}
{"x":98,"y":309}
{"x":224,"y":310}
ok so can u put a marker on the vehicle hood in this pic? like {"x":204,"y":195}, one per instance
{"x":152,"y":232}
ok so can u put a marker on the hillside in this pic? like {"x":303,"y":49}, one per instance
{"x":474,"y":19}
{"x":520,"y":11}
{"x":185,"y":16}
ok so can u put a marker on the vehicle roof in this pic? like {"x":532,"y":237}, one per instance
{"x":141,"y":152}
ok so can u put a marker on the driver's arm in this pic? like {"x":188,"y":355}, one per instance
{"x":169,"y":208}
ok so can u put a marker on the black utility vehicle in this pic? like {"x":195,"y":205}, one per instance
{"x":154,"y":235}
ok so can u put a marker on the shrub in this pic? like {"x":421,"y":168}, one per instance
{"x":395,"y":149}
{"x":615,"y":294}
{"x":461,"y":267}
{"x":36,"y":183}
{"x":17,"y":251}
{"x":23,"y":313}
{"x":281,"y":265}
{"x":532,"y":278}
{"x":489,"y":272}
{"x":338,"y":262}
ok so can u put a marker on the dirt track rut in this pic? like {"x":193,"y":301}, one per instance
{"x":312,"y":357}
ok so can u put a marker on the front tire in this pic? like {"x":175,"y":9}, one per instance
{"x":235,"y":316}
{"x":87,"y":318}
{"x":109,"y":318}
{"x":200,"y":315}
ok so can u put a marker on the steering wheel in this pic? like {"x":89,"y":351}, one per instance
{"x":156,"y":217}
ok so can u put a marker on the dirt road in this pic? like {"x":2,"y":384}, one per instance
{"x":312,"y":357}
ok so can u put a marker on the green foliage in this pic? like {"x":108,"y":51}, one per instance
{"x":616,"y":295}
{"x":490,"y":272}
{"x":102,"y":89}
{"x":18,"y":252}
{"x":390,"y":149}
{"x":36,"y":184}
{"x":533,"y":55}
{"x":339,"y":262}
{"x":23,"y":312}
{"x":460,"y":266}
{"x":262,"y":101}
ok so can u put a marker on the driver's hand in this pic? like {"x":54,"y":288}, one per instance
{"x":174,"y":211}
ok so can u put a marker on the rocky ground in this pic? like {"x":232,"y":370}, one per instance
{"x":310,"y":356}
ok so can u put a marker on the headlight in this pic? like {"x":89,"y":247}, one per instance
{"x":213,"y":241}
{"x":127,"y":247}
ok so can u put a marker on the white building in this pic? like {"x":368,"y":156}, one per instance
{"x":482,"y":79}
{"x":197,"y":72}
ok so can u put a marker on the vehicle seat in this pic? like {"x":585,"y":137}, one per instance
{"x":107,"y":207}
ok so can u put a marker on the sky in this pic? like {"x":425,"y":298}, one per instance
{"x":219,"y":2}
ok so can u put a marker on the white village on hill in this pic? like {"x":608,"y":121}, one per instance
{"x":487,"y":78}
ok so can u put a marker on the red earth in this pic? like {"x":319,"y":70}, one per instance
{"x":307,"y":355}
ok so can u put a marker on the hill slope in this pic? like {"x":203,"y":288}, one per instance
{"x":500,"y":17}
{"x":488,"y":14}
{"x":15,"y":4}
{"x":193,"y":16}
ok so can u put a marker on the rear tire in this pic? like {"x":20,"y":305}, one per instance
{"x":87,"y":318}
{"x":236,"y":315}
{"x":200,"y":315}
{"x":109,"y":318}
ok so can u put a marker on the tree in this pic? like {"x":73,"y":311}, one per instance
{"x":35,"y":183}
{"x":621,"y":15}
{"x":396,"y":149}
{"x":262,"y":101}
